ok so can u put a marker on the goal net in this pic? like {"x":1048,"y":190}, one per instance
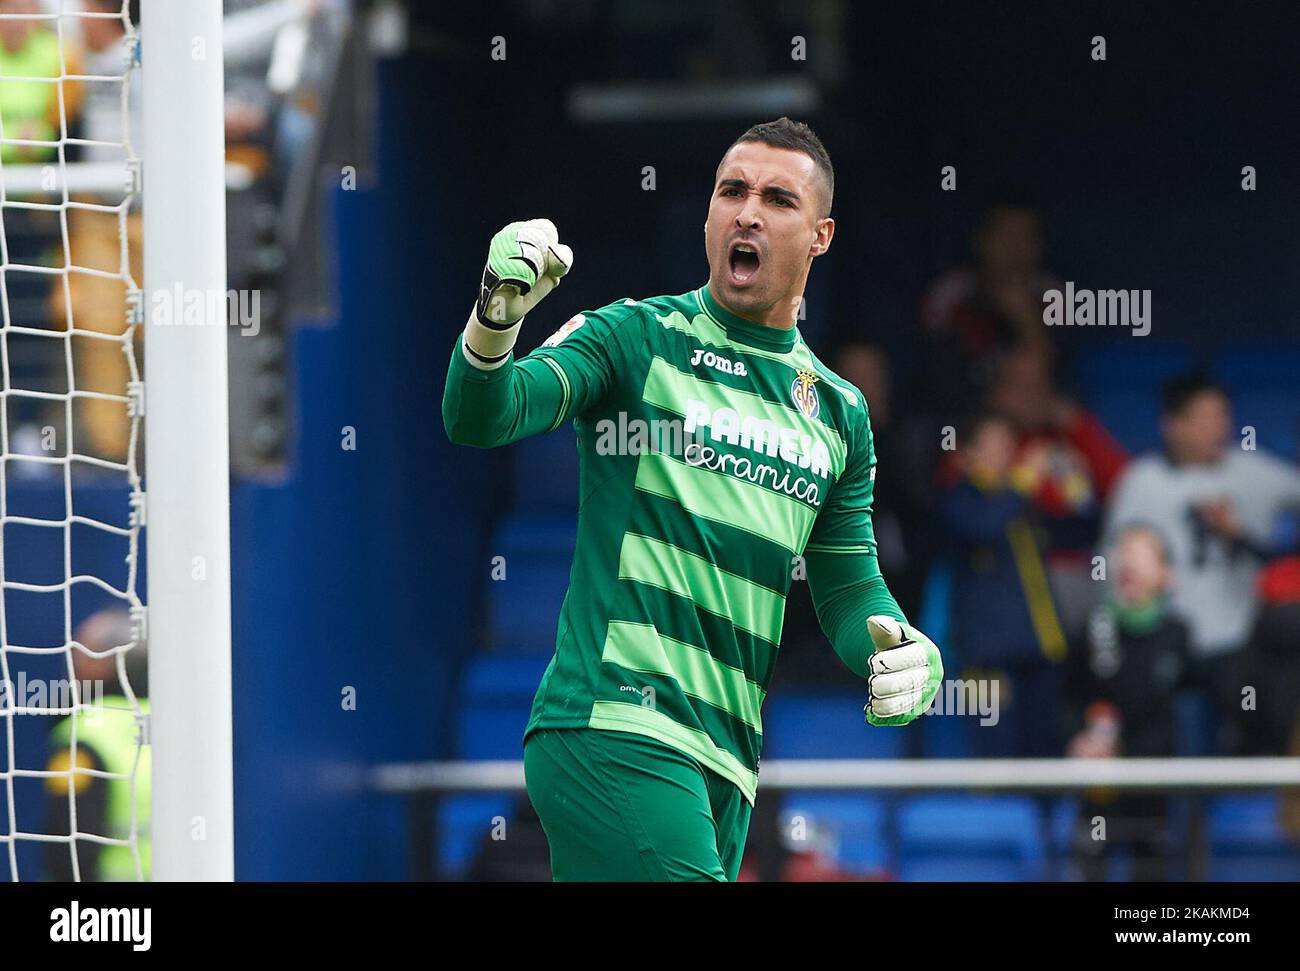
{"x":75,"y":767}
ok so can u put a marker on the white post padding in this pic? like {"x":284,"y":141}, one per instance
{"x":186,"y":446}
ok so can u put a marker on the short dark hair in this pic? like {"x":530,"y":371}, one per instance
{"x":798,"y":137}
{"x":1177,"y":393}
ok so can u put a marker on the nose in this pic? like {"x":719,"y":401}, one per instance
{"x":749,"y":215}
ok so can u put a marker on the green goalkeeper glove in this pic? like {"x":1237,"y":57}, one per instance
{"x":526,"y":261}
{"x":906,"y":671}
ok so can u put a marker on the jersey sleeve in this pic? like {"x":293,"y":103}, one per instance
{"x":572,"y":372}
{"x":844,"y":575}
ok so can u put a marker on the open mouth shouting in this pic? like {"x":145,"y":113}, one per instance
{"x":743,"y":262}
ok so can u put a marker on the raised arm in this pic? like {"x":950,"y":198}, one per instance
{"x":492,"y":399}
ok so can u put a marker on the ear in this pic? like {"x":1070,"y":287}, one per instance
{"x":825,"y":232}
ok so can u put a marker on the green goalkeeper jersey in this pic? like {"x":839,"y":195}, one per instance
{"x":720,"y":462}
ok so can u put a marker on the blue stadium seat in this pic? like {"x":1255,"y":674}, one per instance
{"x":1062,"y":824}
{"x":1130,"y":413}
{"x":853,"y":829}
{"x":464,"y":821}
{"x":1246,"y":841}
{"x":1127,"y":364}
{"x":947,"y":736}
{"x":964,"y":837}
{"x":1119,"y":382}
{"x":1123,"y":390}
{"x":1274,"y":413}
{"x":824,"y":726}
{"x":523,"y":609}
{"x":501,"y":678}
{"x":1250,"y":367}
{"x":496,"y":695}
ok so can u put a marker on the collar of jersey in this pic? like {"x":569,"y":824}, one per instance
{"x":744,"y":331}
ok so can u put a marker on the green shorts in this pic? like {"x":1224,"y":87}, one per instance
{"x":620,"y":806}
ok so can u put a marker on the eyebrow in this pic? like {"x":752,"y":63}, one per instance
{"x":771,"y":190}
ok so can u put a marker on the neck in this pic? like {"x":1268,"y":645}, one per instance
{"x":780,"y":315}
{"x":1141,"y":616}
{"x":747,"y":330}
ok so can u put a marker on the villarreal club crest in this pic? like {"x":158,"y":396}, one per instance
{"x":803,"y":392}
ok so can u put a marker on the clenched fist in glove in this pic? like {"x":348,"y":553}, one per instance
{"x":526,"y":261}
{"x":906,"y":672}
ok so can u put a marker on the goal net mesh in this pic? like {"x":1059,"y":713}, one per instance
{"x":75,"y":766}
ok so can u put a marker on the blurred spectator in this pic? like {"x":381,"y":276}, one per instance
{"x":93,"y":302}
{"x":971,"y":313}
{"x":1216,"y":506}
{"x":1121,"y":684}
{"x":30,"y":109}
{"x":105,"y":741}
{"x":1004,"y":620}
{"x":101,"y":119}
{"x":97,"y":303}
{"x":1272,"y":661}
{"x":268,"y":57}
{"x":1067,"y":463}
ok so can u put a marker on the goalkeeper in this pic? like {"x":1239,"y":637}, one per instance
{"x":641,"y":752}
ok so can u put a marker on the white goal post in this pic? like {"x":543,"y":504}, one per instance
{"x":112,"y":147}
{"x":186,"y":444}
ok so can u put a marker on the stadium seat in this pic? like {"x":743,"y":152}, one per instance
{"x":496,"y":695}
{"x":852,"y":829}
{"x":966,"y":837}
{"x":464,"y":821}
{"x":1123,"y":389}
{"x":1062,"y":825}
{"x":1130,"y":365}
{"x":1130,"y":413}
{"x":1274,"y":413}
{"x":947,"y":736}
{"x":501,"y":678}
{"x":1250,"y":367}
{"x":828,"y":725}
{"x":524,"y":607}
{"x":1246,"y":841}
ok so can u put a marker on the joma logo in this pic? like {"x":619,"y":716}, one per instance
{"x":709,"y":359}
